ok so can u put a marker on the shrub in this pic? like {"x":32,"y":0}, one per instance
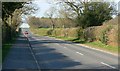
{"x":49,"y":32}
{"x":57,"y":32}
{"x":104,"y":37}
{"x":79,"y":33}
{"x":113,"y":36}
{"x":66,"y":32}
{"x":72,"y":32}
{"x":89,"y":34}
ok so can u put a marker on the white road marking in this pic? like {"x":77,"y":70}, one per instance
{"x":39,"y":69}
{"x":79,"y":53}
{"x":96,"y":49}
{"x":60,"y":45}
{"x":108,"y":65}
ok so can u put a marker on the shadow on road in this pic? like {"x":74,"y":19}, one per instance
{"x":49,"y":58}
{"x":19,"y":56}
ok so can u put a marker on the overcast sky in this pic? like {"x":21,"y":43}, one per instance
{"x":44,"y":5}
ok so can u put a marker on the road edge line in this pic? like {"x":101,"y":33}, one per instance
{"x":108,"y":65}
{"x":96,"y":49}
{"x":88,"y":47}
{"x":33,"y":54}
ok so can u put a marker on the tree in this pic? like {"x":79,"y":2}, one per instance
{"x":50,"y":13}
{"x":34,"y":22}
{"x":95,"y":13}
{"x":9,"y":7}
{"x":65,"y":19}
{"x":89,"y":13}
{"x":7,"y":11}
{"x":11,"y":10}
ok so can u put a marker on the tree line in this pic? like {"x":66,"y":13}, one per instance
{"x":43,"y":22}
{"x":11,"y":17}
{"x":83,"y":15}
{"x":77,"y":14}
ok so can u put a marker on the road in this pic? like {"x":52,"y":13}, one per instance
{"x":56,"y":54}
{"x":19,"y":57}
{"x":50,"y":53}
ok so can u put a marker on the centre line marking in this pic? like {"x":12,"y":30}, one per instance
{"x":79,"y":53}
{"x":108,"y":65}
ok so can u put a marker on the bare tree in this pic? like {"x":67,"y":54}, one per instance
{"x":50,"y":13}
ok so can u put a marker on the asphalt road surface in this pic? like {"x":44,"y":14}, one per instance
{"x":56,"y":54}
{"x":50,"y":53}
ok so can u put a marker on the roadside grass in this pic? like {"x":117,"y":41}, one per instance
{"x":40,"y":31}
{"x":95,"y":44}
{"x":100,"y":45}
{"x":65,"y":38}
{"x":0,"y":56}
{"x":6,"y":48}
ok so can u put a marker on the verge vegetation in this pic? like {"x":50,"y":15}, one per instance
{"x":11,"y":19}
{"x":104,"y":37}
{"x":6,"y":48}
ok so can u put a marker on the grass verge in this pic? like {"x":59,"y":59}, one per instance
{"x":0,"y":56}
{"x":6,"y":48}
{"x":95,"y":44}
{"x":100,"y":45}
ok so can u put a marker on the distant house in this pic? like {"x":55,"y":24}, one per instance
{"x":23,"y":28}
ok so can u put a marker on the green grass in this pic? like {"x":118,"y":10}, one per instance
{"x":6,"y":48}
{"x":40,"y":31}
{"x":0,"y":55}
{"x":100,"y":45}
{"x":73,"y":39}
{"x":96,"y":44}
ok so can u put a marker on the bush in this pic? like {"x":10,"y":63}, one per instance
{"x":66,"y":32}
{"x":89,"y":34}
{"x":49,"y":32}
{"x":57,"y":32}
{"x":113,"y":36}
{"x":80,"y":33}
{"x":72,"y":32}
{"x":104,"y":35}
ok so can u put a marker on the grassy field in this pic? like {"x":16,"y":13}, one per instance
{"x":95,"y":44}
